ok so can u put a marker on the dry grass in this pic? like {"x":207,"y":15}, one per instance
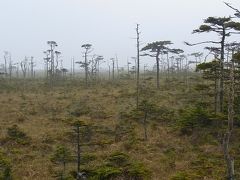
{"x":45,"y":118}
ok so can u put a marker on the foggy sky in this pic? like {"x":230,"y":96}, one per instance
{"x":109,"y":25}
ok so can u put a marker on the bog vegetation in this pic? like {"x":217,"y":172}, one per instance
{"x":178,"y":120}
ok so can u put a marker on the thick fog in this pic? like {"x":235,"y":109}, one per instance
{"x":109,"y":25}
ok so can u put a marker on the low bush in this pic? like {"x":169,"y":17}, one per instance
{"x":5,"y":168}
{"x":14,"y":133}
{"x":193,"y":118}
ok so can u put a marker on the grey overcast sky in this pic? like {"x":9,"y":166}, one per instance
{"x":109,"y":25}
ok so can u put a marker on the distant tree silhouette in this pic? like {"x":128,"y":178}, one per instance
{"x":156,"y":49}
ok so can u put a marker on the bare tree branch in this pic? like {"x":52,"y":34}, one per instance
{"x":205,"y":42}
{"x":232,"y":7}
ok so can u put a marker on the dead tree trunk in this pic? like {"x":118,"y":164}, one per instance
{"x":158,"y":69}
{"x":138,"y":66}
{"x":226,"y":139}
{"x":145,"y":125}
{"x":78,"y":151}
{"x":113,"y":69}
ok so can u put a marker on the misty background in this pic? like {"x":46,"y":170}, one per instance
{"x":109,"y":25}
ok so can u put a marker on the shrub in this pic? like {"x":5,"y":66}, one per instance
{"x":15,"y":134}
{"x":180,"y":176}
{"x":98,"y":112}
{"x":5,"y":168}
{"x":107,"y":172}
{"x":79,"y":109}
{"x":120,"y":166}
{"x":86,"y":158}
{"x":138,"y":171}
{"x":62,"y":155}
{"x":193,"y":118}
{"x":118,"y":159}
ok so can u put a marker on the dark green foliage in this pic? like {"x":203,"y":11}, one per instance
{"x":14,"y":133}
{"x":138,"y":171}
{"x":236,"y":57}
{"x":234,"y":25}
{"x":118,"y":159}
{"x":5,"y":168}
{"x":192,"y":118}
{"x":86,"y":158}
{"x":79,"y":109}
{"x":217,"y":24}
{"x":78,"y":124}
{"x":106,"y":173}
{"x":61,"y":176}
{"x":86,"y":133}
{"x":154,"y":112}
{"x":210,"y":69}
{"x":156,"y":45}
{"x":62,"y":155}
{"x":98,"y":112}
{"x":203,"y":28}
{"x":201,"y":87}
{"x":163,"y":114}
{"x":237,"y":110}
{"x":217,"y":20}
{"x":146,"y":106}
{"x":125,"y":131}
{"x":205,"y":66}
{"x":180,"y":176}
{"x":120,"y":166}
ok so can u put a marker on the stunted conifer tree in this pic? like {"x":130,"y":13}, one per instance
{"x":87,"y":48}
{"x":223,"y":27}
{"x":155,"y":49}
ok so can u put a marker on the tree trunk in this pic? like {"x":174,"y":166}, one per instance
{"x":221,"y":91}
{"x":157,"y":61}
{"x":138,"y":68}
{"x":226,"y":140}
{"x":86,"y":70}
{"x":145,"y":126}
{"x":78,"y":152}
